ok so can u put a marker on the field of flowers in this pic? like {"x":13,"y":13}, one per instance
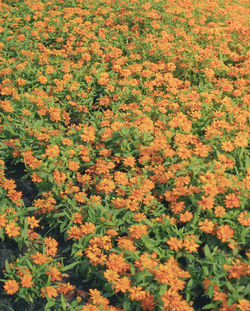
{"x":124,"y":161}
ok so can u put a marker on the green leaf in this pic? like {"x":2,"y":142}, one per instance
{"x":49,"y":304}
{"x":210,"y":292}
{"x":2,"y":235}
{"x":247,"y":163}
{"x":30,"y":265}
{"x":7,"y":267}
{"x":209,"y":306}
{"x":7,"y":307}
{"x":72,"y":265}
{"x":126,"y":305}
{"x":207,"y":251}
{"x":63,"y":302}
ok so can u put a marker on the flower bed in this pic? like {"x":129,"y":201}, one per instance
{"x":124,"y":168}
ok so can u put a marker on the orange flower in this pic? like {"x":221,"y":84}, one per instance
{"x":209,"y":73}
{"x":190,"y":245}
{"x":59,"y":176}
{"x":104,"y":78}
{"x":122,"y":284}
{"x":2,"y":220}
{"x":73,"y":165}
{"x":112,"y":232}
{"x":15,"y":196}
{"x":126,"y":244}
{"x":42,"y":79}
{"x":74,"y":233}
{"x":202,"y":150}
{"x":241,"y":140}
{"x":45,"y":205}
{"x":139,"y":216}
{"x":32,"y":222}
{"x":97,"y":299}
{"x":105,"y":185}
{"x":36,"y":178}
{"x":136,"y":293}
{"x":121,"y":178}
{"x":54,"y":273}
{"x":26,"y":280}
{"x":177,"y":207}
{"x":80,"y":197}
{"x":174,"y":243}
{"x":9,"y":184}
{"x":32,"y":235}
{"x":87,"y":228}
{"x":111,"y":275}
{"x":95,"y":255}
{"x":187,"y":216}
{"x":147,"y":261}
{"x":206,"y":203}
{"x":237,"y":269}
{"x":116,"y":262}
{"x":67,"y":141}
{"x":50,"y":246}
{"x":30,"y":160}
{"x":137,"y":231}
{"x":227,"y":146}
{"x":232,"y":201}
{"x":219,"y":211}
{"x":65,"y":288}
{"x":224,"y":233}
{"x":52,"y":151}
{"x":243,"y":219}
{"x":148,"y":303}
{"x":206,"y":226}
{"x":77,"y":218}
{"x":49,"y":70}
{"x":50,"y":291}
{"x":88,"y":133}
{"x":90,"y":307}
{"x":11,"y":287}
{"x":146,"y":6}
{"x":12,"y":229}
{"x":21,"y":37}
{"x":129,"y":161}
{"x":173,"y":301}
{"x":244,"y":305}
{"x":20,"y":81}
{"x":55,"y":114}
{"x":39,"y":258}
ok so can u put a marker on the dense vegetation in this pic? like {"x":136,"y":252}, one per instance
{"x":124,"y":168}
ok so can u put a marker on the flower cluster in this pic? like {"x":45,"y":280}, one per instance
{"x":128,"y":123}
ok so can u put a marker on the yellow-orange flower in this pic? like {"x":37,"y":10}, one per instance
{"x":73,"y":165}
{"x":50,"y":291}
{"x":39,"y":258}
{"x":11,"y":287}
{"x":12,"y":230}
{"x":244,"y":305}
{"x":26,"y":280}
{"x":174,"y":243}
{"x":50,"y":246}
{"x":122,"y":284}
{"x":206,"y":226}
{"x":52,"y":151}
{"x":224,"y":233}
{"x":137,"y":231}
{"x":32,"y":222}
